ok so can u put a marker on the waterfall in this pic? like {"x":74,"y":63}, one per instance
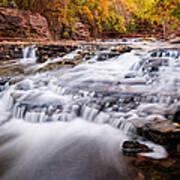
{"x":29,"y":55}
{"x":76,"y":119}
{"x":29,"y":52}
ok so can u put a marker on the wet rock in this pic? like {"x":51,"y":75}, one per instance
{"x":15,"y":80}
{"x":60,"y":64}
{"x":46,"y":52}
{"x":163,"y":132}
{"x":166,"y":169}
{"x":24,"y":85}
{"x":152,"y":108}
{"x":166,"y":52}
{"x":110,"y":52}
{"x":176,"y":117}
{"x":155,"y":118}
{"x":87,"y":54}
{"x":178,"y":148}
{"x":130,"y":75}
{"x":151,"y":67}
{"x":9,"y":52}
{"x":102,"y":57}
{"x":133,"y":147}
{"x":4,"y":80}
{"x":120,"y":49}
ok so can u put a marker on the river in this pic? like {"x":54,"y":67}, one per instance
{"x":70,"y":123}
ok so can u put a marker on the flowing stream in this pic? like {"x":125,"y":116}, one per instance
{"x":70,"y":123}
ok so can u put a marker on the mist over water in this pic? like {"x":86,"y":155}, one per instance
{"x":60,"y":150}
{"x":70,"y":123}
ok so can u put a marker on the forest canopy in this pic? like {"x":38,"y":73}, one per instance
{"x":103,"y":17}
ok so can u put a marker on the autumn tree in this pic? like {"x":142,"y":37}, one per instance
{"x":103,"y":16}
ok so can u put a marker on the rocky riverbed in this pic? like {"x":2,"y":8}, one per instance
{"x":127,"y":90}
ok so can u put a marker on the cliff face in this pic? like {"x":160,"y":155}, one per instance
{"x":15,"y":23}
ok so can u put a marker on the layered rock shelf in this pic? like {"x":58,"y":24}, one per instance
{"x":22,"y":24}
{"x":43,"y":52}
{"x":8,"y":52}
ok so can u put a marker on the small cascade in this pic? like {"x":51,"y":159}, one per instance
{"x":29,"y":52}
{"x":72,"y":54}
{"x":93,"y":115}
{"x":98,"y":88}
{"x":93,"y":91}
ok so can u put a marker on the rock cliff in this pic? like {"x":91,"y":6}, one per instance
{"x":20,"y":24}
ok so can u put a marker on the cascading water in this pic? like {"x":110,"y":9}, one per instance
{"x":70,"y":123}
{"x":29,"y":52}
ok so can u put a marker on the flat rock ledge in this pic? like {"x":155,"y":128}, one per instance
{"x":165,"y":133}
